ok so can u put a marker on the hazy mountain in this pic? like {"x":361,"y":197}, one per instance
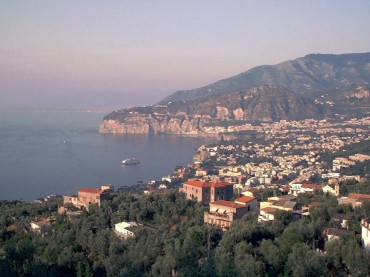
{"x":314,"y":86}
{"x":266,"y":103}
{"x":310,"y":73}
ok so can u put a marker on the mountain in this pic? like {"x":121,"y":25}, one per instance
{"x":310,"y":73}
{"x":262,"y":103}
{"x":314,"y":86}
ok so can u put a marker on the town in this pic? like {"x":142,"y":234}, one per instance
{"x":288,"y":186}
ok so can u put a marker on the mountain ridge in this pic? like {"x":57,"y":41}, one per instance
{"x":308,"y":73}
{"x":314,"y":86}
{"x":265,"y":103}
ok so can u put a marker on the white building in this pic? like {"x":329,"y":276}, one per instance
{"x":365,"y":233}
{"x":125,"y":229}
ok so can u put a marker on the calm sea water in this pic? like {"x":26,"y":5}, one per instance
{"x":56,"y":152}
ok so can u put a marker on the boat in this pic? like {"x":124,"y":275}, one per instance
{"x":130,"y":161}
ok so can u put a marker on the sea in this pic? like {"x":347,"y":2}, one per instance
{"x":56,"y":152}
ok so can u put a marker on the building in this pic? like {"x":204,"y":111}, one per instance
{"x":332,"y":189}
{"x":340,"y":163}
{"x":40,"y":226}
{"x":267,"y":214}
{"x":222,"y":213}
{"x":341,"y":219}
{"x":354,"y":199}
{"x":87,"y":196}
{"x":126,"y":229}
{"x":251,"y":202}
{"x":296,"y":188}
{"x":335,"y":233}
{"x":207,"y":192}
{"x":365,"y":233}
{"x":273,"y":204}
{"x":359,"y":157}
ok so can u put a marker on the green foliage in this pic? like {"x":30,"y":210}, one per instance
{"x":355,"y":187}
{"x":303,"y":261}
{"x":272,"y":257}
{"x":347,"y":258}
{"x":174,"y":241}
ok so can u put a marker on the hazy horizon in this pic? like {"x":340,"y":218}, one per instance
{"x":94,"y":55}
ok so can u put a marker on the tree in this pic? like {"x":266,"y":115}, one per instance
{"x":288,"y":239}
{"x":272,"y":257}
{"x":347,"y":256}
{"x":303,"y":261}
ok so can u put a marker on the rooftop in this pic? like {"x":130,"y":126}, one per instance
{"x":206,"y":184}
{"x":358,"y":195}
{"x":269,"y":210}
{"x":244,"y":199}
{"x":311,"y":186}
{"x":227,"y":204}
{"x":90,"y":190}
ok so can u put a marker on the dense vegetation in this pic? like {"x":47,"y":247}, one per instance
{"x":174,"y":241}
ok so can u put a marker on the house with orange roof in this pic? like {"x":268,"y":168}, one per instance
{"x":206,"y":191}
{"x":87,"y":196}
{"x":251,"y":202}
{"x":354,"y":199}
{"x":222,"y":213}
{"x":296,"y":188}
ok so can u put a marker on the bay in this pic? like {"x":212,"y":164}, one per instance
{"x":44,"y":152}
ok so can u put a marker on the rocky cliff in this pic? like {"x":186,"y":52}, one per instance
{"x":262,"y":103}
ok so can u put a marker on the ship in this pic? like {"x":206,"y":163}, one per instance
{"x":130,"y":161}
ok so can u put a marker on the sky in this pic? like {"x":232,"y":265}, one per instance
{"x":114,"y":54}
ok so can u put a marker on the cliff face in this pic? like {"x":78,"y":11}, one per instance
{"x":262,"y":103}
{"x":153,"y":124}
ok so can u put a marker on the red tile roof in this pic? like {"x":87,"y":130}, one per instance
{"x":228,"y":204}
{"x":245,"y":199}
{"x":206,"y":184}
{"x":269,"y":210}
{"x":358,"y":195}
{"x":89,"y":190}
{"x":311,"y":186}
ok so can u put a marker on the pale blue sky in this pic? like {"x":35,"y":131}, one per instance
{"x":113,"y":54}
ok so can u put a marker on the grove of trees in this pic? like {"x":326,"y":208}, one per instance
{"x":173,"y":241}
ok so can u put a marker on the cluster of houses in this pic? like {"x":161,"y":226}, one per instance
{"x":222,"y":211}
{"x":73,"y":206}
{"x":87,"y":196}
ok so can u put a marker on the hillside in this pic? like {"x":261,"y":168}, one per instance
{"x":309,"y":73}
{"x":262,"y":103}
{"x":314,"y":86}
